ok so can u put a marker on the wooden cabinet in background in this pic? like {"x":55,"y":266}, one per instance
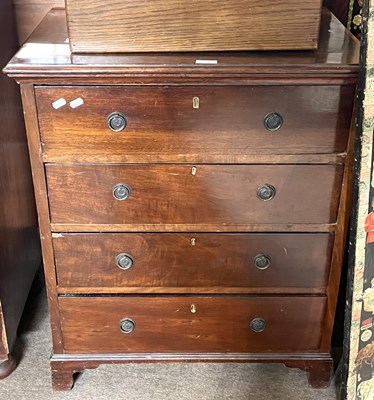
{"x":19,"y":243}
{"x":29,"y":14}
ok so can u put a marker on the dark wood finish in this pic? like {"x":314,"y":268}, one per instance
{"x":167,"y":324}
{"x":40,"y":191}
{"x":199,"y":158}
{"x":286,"y":227}
{"x":179,"y":25}
{"x":340,"y":243}
{"x":196,"y":260}
{"x":7,"y":367}
{"x":7,"y":362}
{"x":63,"y":367}
{"x":63,"y":377}
{"x":339,"y":8}
{"x":187,"y":290}
{"x":320,"y":372}
{"x":217,"y":194}
{"x":335,"y":61}
{"x":29,"y":13}
{"x":19,"y":245}
{"x":204,"y":193}
{"x":162,"y":123}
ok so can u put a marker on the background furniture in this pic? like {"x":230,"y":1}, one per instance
{"x":29,"y":14}
{"x":19,"y":243}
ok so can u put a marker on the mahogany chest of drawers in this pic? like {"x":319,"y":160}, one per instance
{"x":191,"y":206}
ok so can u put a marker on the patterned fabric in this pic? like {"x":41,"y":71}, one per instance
{"x":360,"y":385}
{"x":355,"y":17}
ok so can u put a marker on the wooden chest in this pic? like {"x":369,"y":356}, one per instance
{"x":182,"y":25}
{"x":192,"y":206}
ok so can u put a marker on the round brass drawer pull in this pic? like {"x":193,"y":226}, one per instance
{"x":117,"y":121}
{"x":262,"y":261}
{"x":124,"y":261}
{"x":273,"y":121}
{"x":258,"y":325}
{"x":127,"y":325}
{"x":266,"y":192}
{"x":121,"y":191}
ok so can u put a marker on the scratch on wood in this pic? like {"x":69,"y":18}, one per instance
{"x":57,"y":235}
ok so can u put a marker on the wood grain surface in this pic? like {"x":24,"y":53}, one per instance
{"x":40,"y":192}
{"x":180,"y":25}
{"x":196,"y":260}
{"x":197,"y":171}
{"x":51,"y":62}
{"x":217,"y":227}
{"x":162,"y":123}
{"x":166,"y":324}
{"x":340,"y":248}
{"x":172,"y":194}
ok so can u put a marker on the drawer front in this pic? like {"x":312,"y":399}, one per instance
{"x":184,"y":194}
{"x":191,"y":324}
{"x":163,"y":125}
{"x":188,"y":261}
{"x":182,"y":25}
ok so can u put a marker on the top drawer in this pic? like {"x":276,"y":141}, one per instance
{"x":192,"y":124}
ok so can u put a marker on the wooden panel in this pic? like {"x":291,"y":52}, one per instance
{"x":40,"y":189}
{"x":261,"y":227}
{"x":334,"y":61}
{"x":180,"y":25}
{"x":162,"y":123}
{"x":166,"y":324}
{"x":172,"y":194}
{"x":19,"y":243}
{"x":194,"y":260}
{"x":29,"y":13}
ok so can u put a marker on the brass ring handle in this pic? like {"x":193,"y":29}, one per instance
{"x":121,"y":191}
{"x":266,"y":192}
{"x":117,"y":121}
{"x":273,"y":121}
{"x":127,"y":325}
{"x":262,"y":261}
{"x":124,"y":261}
{"x":258,"y":325}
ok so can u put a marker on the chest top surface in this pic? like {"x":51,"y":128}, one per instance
{"x":47,"y":55}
